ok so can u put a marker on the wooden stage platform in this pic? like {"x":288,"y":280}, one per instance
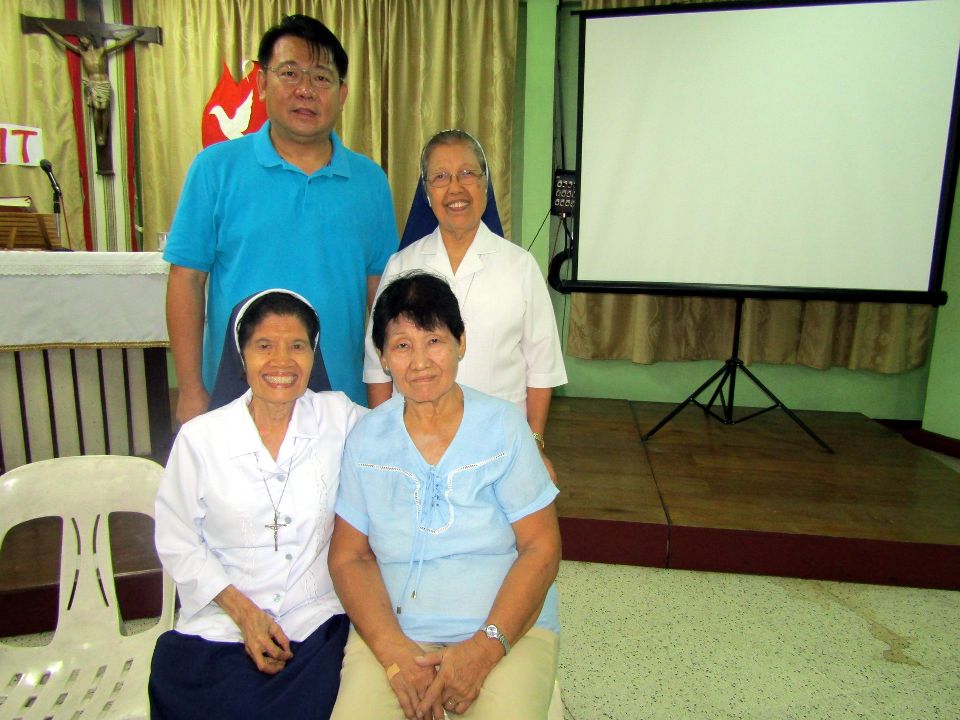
{"x":758,"y":497}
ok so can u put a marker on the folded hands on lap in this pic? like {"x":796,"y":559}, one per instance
{"x":461,"y":669}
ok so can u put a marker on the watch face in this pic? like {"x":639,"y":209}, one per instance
{"x":493,"y":632}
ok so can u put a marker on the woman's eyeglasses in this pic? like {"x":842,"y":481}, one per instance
{"x":443,"y":178}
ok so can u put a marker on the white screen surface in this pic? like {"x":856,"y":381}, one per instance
{"x":789,"y":147}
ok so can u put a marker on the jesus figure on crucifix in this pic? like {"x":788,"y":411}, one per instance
{"x":96,"y":83}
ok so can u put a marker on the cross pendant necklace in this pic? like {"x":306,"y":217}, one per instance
{"x":276,"y":524}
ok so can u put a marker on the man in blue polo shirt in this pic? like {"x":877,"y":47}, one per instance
{"x":288,"y":206}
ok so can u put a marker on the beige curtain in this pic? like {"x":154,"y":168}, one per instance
{"x":416,"y":66}
{"x":885,"y":338}
{"x":450,"y":63}
{"x":36,"y":62}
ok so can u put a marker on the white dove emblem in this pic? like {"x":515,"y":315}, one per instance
{"x":233,"y":127}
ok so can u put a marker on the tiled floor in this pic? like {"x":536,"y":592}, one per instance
{"x":650,"y":643}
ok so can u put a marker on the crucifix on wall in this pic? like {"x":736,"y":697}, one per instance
{"x":95,"y":41}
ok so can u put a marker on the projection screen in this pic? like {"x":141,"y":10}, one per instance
{"x":782,"y":151}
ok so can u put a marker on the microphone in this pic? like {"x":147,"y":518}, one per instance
{"x":47,"y":167}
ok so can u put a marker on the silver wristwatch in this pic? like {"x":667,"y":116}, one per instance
{"x":493,"y":632}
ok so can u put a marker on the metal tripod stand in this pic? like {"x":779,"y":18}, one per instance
{"x":728,"y":374}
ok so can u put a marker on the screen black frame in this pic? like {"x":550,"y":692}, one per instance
{"x":934,"y":295}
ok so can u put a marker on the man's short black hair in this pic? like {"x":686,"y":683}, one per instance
{"x":424,"y":299}
{"x":317,"y":35}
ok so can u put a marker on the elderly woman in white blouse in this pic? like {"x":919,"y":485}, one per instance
{"x":244,"y":517}
{"x":514,"y":350}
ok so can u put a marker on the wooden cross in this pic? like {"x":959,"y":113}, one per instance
{"x":276,"y":528}
{"x":92,"y":34}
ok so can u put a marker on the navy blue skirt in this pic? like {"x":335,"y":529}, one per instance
{"x":191,"y":678}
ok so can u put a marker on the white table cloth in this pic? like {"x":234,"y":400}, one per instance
{"x":82,"y":299}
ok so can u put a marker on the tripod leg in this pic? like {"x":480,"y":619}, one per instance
{"x":728,"y":406}
{"x":729,"y":375}
{"x":718,"y":390}
{"x":691,"y":398}
{"x":774,"y":399}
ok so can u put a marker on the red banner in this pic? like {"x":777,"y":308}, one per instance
{"x":234,"y":108}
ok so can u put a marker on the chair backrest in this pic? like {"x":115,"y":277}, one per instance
{"x":421,"y":221}
{"x":89,"y":666}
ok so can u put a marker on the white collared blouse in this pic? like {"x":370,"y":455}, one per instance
{"x":216,"y":504}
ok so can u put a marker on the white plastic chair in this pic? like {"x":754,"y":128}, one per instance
{"x":90,"y":668}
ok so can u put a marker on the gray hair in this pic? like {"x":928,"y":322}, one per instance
{"x":452,"y":137}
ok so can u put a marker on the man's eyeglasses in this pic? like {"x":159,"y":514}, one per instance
{"x":294,"y":75}
{"x":443,"y":178}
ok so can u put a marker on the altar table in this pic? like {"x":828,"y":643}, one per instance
{"x":82,"y":355}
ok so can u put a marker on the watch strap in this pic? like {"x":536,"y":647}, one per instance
{"x":493,"y":632}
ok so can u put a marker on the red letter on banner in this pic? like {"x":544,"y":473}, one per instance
{"x":25,"y":135}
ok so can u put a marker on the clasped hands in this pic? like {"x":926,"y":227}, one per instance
{"x":448,"y":679}
{"x":265,"y":642}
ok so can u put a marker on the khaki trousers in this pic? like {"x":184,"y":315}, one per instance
{"x":518,"y":688}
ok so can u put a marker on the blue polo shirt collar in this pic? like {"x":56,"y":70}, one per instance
{"x":268,"y":156}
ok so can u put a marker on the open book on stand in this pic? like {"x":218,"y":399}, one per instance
{"x":17,"y":202}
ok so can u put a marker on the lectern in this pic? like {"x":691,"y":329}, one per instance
{"x":27,"y":230}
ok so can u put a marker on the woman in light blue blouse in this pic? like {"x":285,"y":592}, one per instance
{"x":446,"y":545}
